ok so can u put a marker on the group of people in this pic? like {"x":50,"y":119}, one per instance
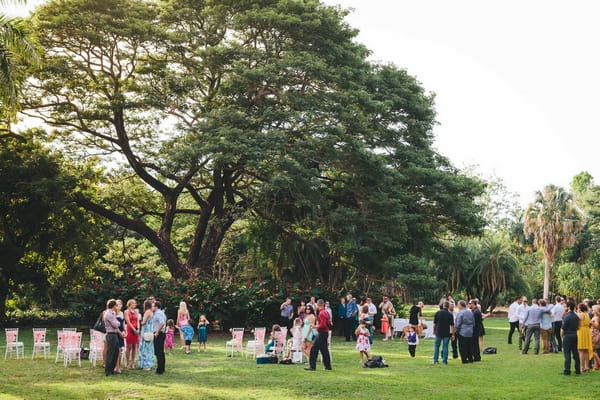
{"x":459,"y":325}
{"x":356,"y":320}
{"x":563,"y":326}
{"x":351,"y":313}
{"x":145,"y":336}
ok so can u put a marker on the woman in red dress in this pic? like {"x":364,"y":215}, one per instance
{"x":132,"y":320}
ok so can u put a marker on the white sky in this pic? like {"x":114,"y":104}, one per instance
{"x":516,"y":82}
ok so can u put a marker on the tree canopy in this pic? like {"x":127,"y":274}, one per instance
{"x":212,"y":112}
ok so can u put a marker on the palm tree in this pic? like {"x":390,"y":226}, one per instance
{"x":553,"y":219}
{"x":14,"y":42}
{"x":496,"y":270}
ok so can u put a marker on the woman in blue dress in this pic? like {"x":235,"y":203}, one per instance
{"x":146,"y":346}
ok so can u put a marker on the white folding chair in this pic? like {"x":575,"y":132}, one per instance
{"x":296,"y":350}
{"x":256,"y":346}
{"x":13,"y":346}
{"x":72,"y":347}
{"x":39,"y":343}
{"x":59,"y":345}
{"x":236,"y":342}
{"x":280,"y":342}
{"x":96,"y":346}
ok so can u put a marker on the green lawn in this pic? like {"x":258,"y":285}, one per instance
{"x":211,"y":375}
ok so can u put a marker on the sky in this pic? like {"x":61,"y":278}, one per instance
{"x":517,"y":83}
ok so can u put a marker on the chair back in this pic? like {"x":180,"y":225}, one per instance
{"x":12,"y":335}
{"x":259,"y":334}
{"x":39,"y":336}
{"x":72,"y":340}
{"x":69,"y":329}
{"x":96,"y":338}
{"x":238,"y":337}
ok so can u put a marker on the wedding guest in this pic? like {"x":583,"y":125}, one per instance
{"x":570,"y":326}
{"x":159,"y":324}
{"x":112,"y":337}
{"x":341,"y":311}
{"x":183,"y":316}
{"x":513,"y":317}
{"x":321,"y":342}
{"x":557,"y":313}
{"x":584,"y":338}
{"x":122,"y":333}
{"x":146,"y":350}
{"x":132,"y":339}
{"x":463,"y":326}
{"x":287,"y":313}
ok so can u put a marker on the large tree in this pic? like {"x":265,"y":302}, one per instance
{"x":210,"y":112}
{"x":553,"y":220}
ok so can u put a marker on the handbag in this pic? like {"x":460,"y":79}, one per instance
{"x":84,"y":353}
{"x":148,"y":336}
{"x":99,"y":325}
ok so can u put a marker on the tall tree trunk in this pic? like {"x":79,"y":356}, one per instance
{"x":546,"y":277}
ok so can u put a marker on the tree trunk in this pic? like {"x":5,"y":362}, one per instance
{"x":546,"y":277}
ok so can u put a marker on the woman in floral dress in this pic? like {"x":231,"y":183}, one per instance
{"x":146,"y":347}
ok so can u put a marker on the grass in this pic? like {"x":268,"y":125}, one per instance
{"x":211,"y":375}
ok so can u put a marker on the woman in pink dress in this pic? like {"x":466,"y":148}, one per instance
{"x":183,"y":317}
{"x":132,"y":339}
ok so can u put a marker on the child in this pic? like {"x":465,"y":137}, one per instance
{"x":385,"y":327}
{"x":170,"y":336}
{"x":202,"y":332}
{"x":188,"y":335}
{"x":413,"y":340}
{"x":294,"y":345}
{"x":362,"y":340}
{"x":273,"y":340}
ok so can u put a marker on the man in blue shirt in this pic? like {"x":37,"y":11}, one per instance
{"x":159,"y":322}
{"x":351,"y":311}
{"x":570,"y":325}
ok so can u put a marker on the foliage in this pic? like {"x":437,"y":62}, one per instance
{"x":247,"y":303}
{"x":45,"y":240}
{"x":553,"y":220}
{"x":484,"y":269}
{"x":225,"y":112}
{"x":15,"y":43}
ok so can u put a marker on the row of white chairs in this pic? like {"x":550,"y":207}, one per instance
{"x":68,"y":347}
{"x":257,"y":345}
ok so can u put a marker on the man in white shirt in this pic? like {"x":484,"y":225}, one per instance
{"x":522,"y":310}
{"x":557,"y":316}
{"x":513,"y":317}
{"x":372,"y":307}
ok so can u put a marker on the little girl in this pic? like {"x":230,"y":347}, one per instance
{"x":385,"y":327}
{"x":170,"y":336}
{"x":362,"y":340}
{"x":273,"y":340}
{"x":413,"y":340}
{"x":202,"y":332}
{"x":188,"y":335}
{"x":294,"y":345}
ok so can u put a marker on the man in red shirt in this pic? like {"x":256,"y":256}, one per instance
{"x":321,"y":341}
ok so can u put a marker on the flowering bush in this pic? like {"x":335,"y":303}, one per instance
{"x":250,"y":303}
